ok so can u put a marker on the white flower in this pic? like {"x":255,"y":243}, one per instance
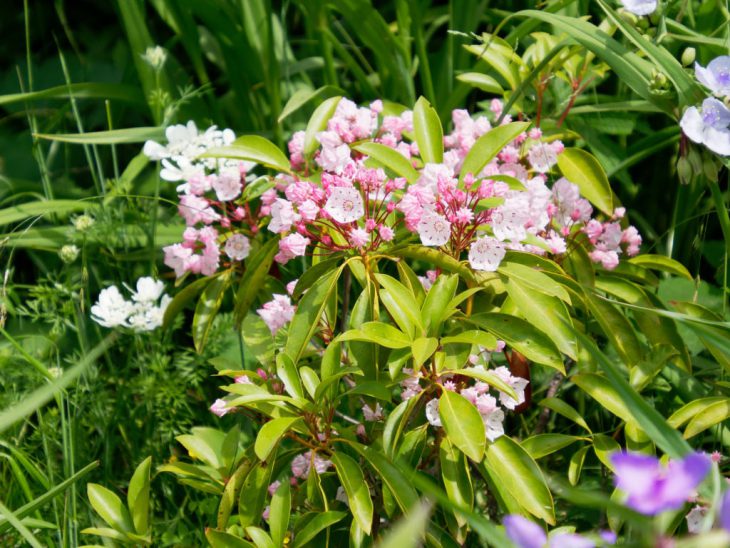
{"x":111,"y":310}
{"x":716,"y":76}
{"x":710,"y":127}
{"x":432,"y":413}
{"x":434,"y":229}
{"x":486,"y":253}
{"x":237,"y":247}
{"x":148,"y":290}
{"x":508,"y":220}
{"x":345,"y":204}
{"x":640,"y":7}
{"x":695,"y":517}
{"x":282,"y":216}
{"x":494,"y":421}
{"x":219,"y":407}
{"x":371,"y":414}
{"x":334,"y":158}
{"x":155,"y":57}
{"x":518,"y":384}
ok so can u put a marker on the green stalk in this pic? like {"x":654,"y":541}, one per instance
{"x":330,"y":75}
{"x":424,"y":68}
{"x":724,"y":218}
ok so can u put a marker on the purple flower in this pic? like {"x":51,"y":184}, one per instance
{"x":523,"y":532}
{"x":716,"y":77}
{"x":640,"y":7}
{"x":653,"y":488}
{"x":709,"y":126}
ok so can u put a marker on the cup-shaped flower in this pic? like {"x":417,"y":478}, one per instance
{"x":709,"y":125}
{"x":653,"y":488}
{"x":716,"y":75}
{"x":345,"y":204}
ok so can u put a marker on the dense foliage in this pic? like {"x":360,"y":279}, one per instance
{"x":455,"y":275}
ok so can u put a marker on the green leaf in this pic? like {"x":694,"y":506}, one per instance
{"x":601,"y":391}
{"x":111,"y":137}
{"x":548,"y":314}
{"x":257,"y":267}
{"x":566,"y":410}
{"x":514,"y":269}
{"x":182,"y":298}
{"x":289,"y":375}
{"x":279,"y":515}
{"x":581,"y":168}
{"x":401,"y":304}
{"x":423,"y":348}
{"x":689,"y":410}
{"x":710,"y":416}
{"x":314,"y":273}
{"x":523,"y":337}
{"x":253,"y":494}
{"x":81,"y":90}
{"x":260,"y":537}
{"x":270,"y":434}
{"x":42,"y":208}
{"x":318,"y":523}
{"x":400,"y":486}
{"x":219,"y":539}
{"x":309,"y":311}
{"x":521,"y":477}
{"x":207,"y":308}
{"x":232,"y":492}
{"x":463,"y":424}
{"x":317,"y":123}
{"x":252,"y":148}
{"x":390,"y":159}
{"x":456,"y":478}
{"x":377,"y":332}
{"x":436,"y":258}
{"x":616,"y":327}
{"x":472,"y":336}
{"x":396,"y":422}
{"x":481,"y":81}
{"x":487,"y":377}
{"x":110,"y":508}
{"x":542,"y":445}
{"x":310,"y":380}
{"x":428,"y":131}
{"x":488,"y":146}
{"x":303,"y":96}
{"x":576,"y":464}
{"x":647,"y":417}
{"x":357,"y":490}
{"x":409,"y":531}
{"x":436,"y":304}
{"x":138,"y":496}
{"x":663,"y":263}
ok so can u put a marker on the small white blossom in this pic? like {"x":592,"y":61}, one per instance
{"x":237,"y":247}
{"x":640,"y":7}
{"x":486,"y":254}
{"x":434,"y":229}
{"x":111,"y":310}
{"x":345,"y":204}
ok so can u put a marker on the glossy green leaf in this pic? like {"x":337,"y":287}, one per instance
{"x":231,"y":493}
{"x":289,"y":375}
{"x":260,"y":537}
{"x":182,"y":298}
{"x":488,"y":146}
{"x":428,"y":131}
{"x":219,"y":539}
{"x":279,"y":514}
{"x":481,"y":81}
{"x":358,"y":493}
{"x":533,"y":279}
{"x":616,"y":328}
{"x":378,"y":332}
{"x":270,"y":435}
{"x":41,"y":208}
{"x":488,"y":377}
{"x":583,"y":169}
{"x":401,"y":304}
{"x":309,"y":311}
{"x":523,"y":337}
{"x":81,"y":90}
{"x":575,"y":467}
{"x":542,"y":445}
{"x":713,"y":414}
{"x":138,"y":496}
{"x":111,"y":137}
{"x":688,"y":411}
{"x":436,"y":258}
{"x":604,"y":447}
{"x":252,"y":148}
{"x":472,"y":336}
{"x":316,"y":525}
{"x":207,"y":308}
{"x":566,"y":410}
{"x":463,"y":424}
{"x":110,"y":508}
{"x":456,"y":478}
{"x":253,"y":494}
{"x":602,"y":391}
{"x":409,"y":531}
{"x":390,"y":159}
{"x":317,"y":123}
{"x":257,"y":268}
{"x":395,"y":423}
{"x":548,"y":314}
{"x":436,"y":304}
{"x":662,"y":263}
{"x":521,"y":477}
{"x":303,"y":96}
{"x":423,"y":348}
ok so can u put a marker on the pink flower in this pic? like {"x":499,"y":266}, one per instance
{"x":345,"y":204}
{"x":277,"y":312}
{"x":237,"y":247}
{"x":292,"y":246}
{"x":434,"y":229}
{"x":242,"y":379}
{"x":195,"y":209}
{"x":334,"y":158}
{"x":227,"y":187}
{"x":282,"y":216}
{"x":486,"y":253}
{"x":386,"y":233}
{"x":373,"y":414}
{"x":359,"y":237}
{"x":219,"y":408}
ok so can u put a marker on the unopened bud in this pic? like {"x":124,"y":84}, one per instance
{"x":684,"y":171}
{"x":82,"y":223}
{"x":68,"y":253}
{"x":688,"y":56}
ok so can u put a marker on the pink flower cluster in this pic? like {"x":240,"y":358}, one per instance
{"x":610,"y":240}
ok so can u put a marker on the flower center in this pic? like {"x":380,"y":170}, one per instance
{"x":348,"y":205}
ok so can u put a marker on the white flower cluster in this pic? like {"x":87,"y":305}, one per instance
{"x":181,"y":156}
{"x":143,"y":313}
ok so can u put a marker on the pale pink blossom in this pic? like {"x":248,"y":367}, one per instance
{"x":282,"y":216}
{"x":219,"y":408}
{"x":277,"y":312}
{"x":434,"y":229}
{"x":345,"y":204}
{"x":359,"y":237}
{"x":486,"y":254}
{"x":373,"y":414}
{"x":294,"y":245}
{"x":237,"y":247}
{"x":227,"y":186}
